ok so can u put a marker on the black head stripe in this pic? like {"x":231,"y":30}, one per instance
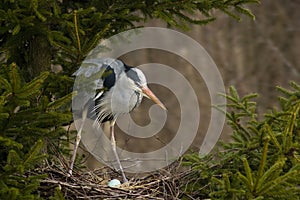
{"x":109,"y":78}
{"x":132,"y":74}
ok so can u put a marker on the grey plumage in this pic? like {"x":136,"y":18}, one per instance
{"x":108,"y":102}
{"x":107,"y":88}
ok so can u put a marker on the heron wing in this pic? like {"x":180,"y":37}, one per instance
{"x":94,"y":77}
{"x":93,"y":70}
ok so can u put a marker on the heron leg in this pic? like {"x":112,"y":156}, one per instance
{"x":78,"y":138}
{"x":114,"y":148}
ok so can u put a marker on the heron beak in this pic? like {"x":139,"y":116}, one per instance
{"x":149,"y":94}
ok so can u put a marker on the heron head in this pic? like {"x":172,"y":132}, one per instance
{"x":140,"y":84}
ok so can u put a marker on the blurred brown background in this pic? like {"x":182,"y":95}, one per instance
{"x":254,"y":56}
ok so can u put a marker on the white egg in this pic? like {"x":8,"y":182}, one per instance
{"x":114,"y":183}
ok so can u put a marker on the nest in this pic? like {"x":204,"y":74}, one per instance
{"x":163,"y":184}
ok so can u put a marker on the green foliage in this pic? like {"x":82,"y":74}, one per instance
{"x":28,"y":119}
{"x":262,"y":160}
{"x":13,"y":181}
{"x":57,"y":195}
{"x":27,"y":108}
{"x":67,"y":31}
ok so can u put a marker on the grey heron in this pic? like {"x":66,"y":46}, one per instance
{"x":118,"y":90}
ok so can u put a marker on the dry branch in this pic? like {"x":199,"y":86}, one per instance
{"x":93,"y":185}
